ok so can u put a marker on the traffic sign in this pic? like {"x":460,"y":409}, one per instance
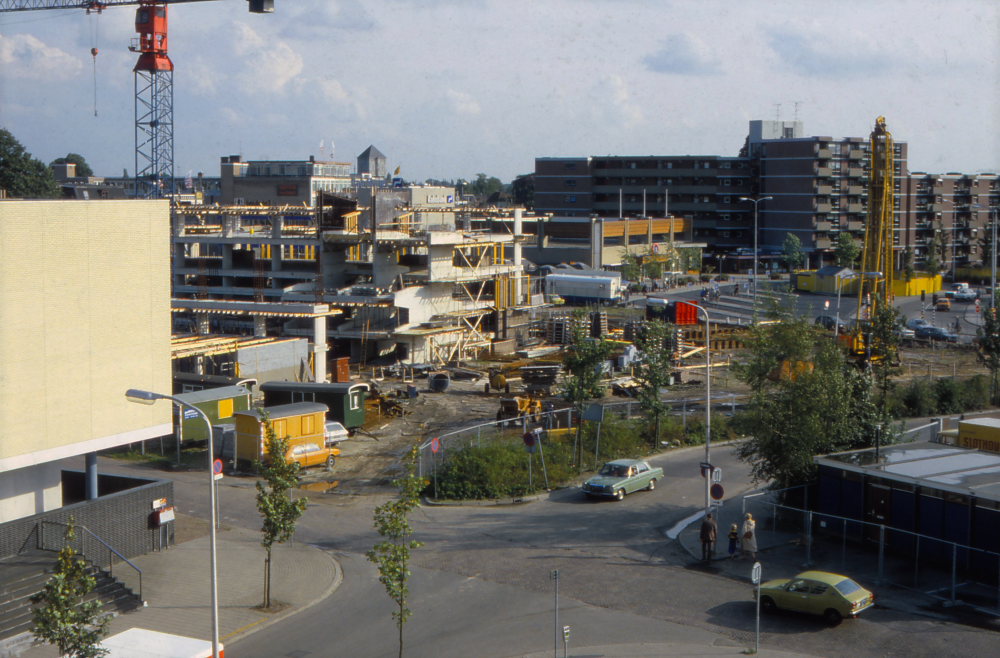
{"x":717,"y":475}
{"x":529,"y":439}
{"x":566,"y":633}
{"x":755,"y":574}
{"x":717,"y":491}
{"x":656,"y":248}
{"x":705,"y":466}
{"x":217,"y":469}
{"x":435,"y":444}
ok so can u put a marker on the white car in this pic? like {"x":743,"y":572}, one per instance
{"x":334,"y":433}
{"x":917,"y":323}
{"x":965,"y":295}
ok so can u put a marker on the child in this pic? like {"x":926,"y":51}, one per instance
{"x":733,"y":538}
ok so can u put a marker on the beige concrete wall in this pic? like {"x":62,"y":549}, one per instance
{"x":84,"y":315}
{"x":29,"y":491}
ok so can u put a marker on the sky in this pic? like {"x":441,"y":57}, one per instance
{"x":452,"y":88}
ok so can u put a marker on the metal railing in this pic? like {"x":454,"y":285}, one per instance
{"x":904,"y":548}
{"x":44,"y":545}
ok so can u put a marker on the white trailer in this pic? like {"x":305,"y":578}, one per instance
{"x":583,"y":288}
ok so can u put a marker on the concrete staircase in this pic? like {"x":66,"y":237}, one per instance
{"x":25,"y":574}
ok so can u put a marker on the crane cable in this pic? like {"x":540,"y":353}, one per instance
{"x":94,"y":38}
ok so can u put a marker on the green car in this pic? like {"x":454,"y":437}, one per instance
{"x":620,"y":477}
{"x":818,"y":593}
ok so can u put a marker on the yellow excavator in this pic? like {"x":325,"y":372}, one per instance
{"x":876,"y":259}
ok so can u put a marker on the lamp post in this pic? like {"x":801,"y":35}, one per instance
{"x":755,"y":202}
{"x":840,"y":287}
{"x":146,"y":397}
{"x":708,"y":411}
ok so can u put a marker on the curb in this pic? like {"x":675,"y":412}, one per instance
{"x":246,"y":631}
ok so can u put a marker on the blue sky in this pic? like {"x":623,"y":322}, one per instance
{"x":449,"y":88}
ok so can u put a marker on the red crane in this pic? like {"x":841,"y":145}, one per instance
{"x":154,"y":83}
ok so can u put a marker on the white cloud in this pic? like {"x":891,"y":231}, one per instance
{"x":683,"y":54}
{"x":266,"y":66}
{"x":353,"y":105}
{"x":24,"y":56}
{"x":630,"y":114}
{"x":463,"y":103}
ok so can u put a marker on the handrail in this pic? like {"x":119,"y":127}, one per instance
{"x":111,"y":562}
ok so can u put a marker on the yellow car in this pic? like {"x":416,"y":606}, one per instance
{"x":816,"y":592}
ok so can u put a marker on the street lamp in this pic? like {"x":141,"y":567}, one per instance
{"x":840,"y":287}
{"x":755,"y":202}
{"x":708,"y":411}
{"x":146,"y":397}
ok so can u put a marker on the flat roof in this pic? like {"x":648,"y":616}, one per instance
{"x":286,"y":410}
{"x":935,"y":465}
{"x":212,"y":394}
{"x":314,"y":387}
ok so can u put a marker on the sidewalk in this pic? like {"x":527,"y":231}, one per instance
{"x":176,"y":587}
{"x":664,"y":649}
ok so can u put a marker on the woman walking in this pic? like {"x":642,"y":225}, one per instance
{"x":749,"y":537}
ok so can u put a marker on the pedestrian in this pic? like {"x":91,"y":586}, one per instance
{"x":736,"y":290}
{"x":734,"y":540}
{"x":749,"y":537}
{"x":708,"y":532}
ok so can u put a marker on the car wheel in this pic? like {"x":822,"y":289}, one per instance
{"x":652,"y":484}
{"x":767,"y":605}
{"x":620,"y":495}
{"x":330,"y":461}
{"x":832,"y":617}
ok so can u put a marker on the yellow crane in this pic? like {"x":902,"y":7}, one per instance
{"x":877,"y":258}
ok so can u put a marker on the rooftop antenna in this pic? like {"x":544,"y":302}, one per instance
{"x":797,"y":103}
{"x":777,"y":111}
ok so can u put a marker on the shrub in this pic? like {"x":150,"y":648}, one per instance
{"x":974,"y":393}
{"x":705,"y":278}
{"x":724,"y":277}
{"x":947,"y":392}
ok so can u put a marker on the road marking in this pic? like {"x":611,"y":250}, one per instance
{"x":676,"y":530}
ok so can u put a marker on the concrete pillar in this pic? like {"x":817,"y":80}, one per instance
{"x":259,"y":326}
{"x":204,"y":326}
{"x":319,"y":348}
{"x":199,"y":365}
{"x":227,"y":265}
{"x":518,"y":271}
{"x":276,"y":223}
{"x":91,"y":475}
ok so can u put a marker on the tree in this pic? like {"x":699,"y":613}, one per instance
{"x":886,"y":328}
{"x":791,"y":251}
{"x":278,"y":511}
{"x":630,"y":268}
{"x":62,"y":618}
{"x":523,"y":190}
{"x":653,"y":373}
{"x":986,"y":247}
{"x":82,"y":168}
{"x":652,"y":264}
{"x":988,"y":336}
{"x":392,"y":554}
{"x":789,"y":368}
{"x":486,"y":186}
{"x":584,"y":360}
{"x":937,"y":251}
{"x":22,"y":175}
{"x":908,"y":272}
{"x":846,"y":252}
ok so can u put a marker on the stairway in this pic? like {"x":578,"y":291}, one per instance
{"x":25,"y":574}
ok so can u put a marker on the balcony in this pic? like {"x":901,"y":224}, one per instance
{"x":824,"y":190}
{"x":934,"y":207}
{"x":824,"y":226}
{"x":855,"y":207}
{"x":824,"y":172}
{"x":855,"y":226}
{"x":824,"y":154}
{"x":855,"y":190}
{"x":824,"y":207}
{"x":855,"y":154}
{"x":824,"y":243}
{"x":855,"y":172}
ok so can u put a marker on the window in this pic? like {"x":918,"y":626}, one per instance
{"x":726,"y":199}
{"x":570,"y":182}
{"x":819,"y":588}
{"x":355,"y":399}
{"x":727,"y":182}
{"x":670,"y":165}
{"x":725,"y":218}
{"x":570,"y":165}
{"x":727,"y":165}
{"x":725,"y":234}
{"x":569,"y":199}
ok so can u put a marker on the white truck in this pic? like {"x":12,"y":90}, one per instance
{"x":584,"y":289}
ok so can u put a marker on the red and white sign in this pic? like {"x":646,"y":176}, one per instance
{"x":435,"y":444}
{"x":529,"y":439}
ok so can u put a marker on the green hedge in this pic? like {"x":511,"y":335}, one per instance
{"x":923,"y":397}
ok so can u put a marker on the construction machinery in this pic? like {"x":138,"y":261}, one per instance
{"x":497,"y":381}
{"x":518,"y":407}
{"x":875,"y":286}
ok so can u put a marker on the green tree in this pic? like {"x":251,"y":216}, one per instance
{"x":791,"y":251}
{"x":988,"y":336}
{"x":584,"y":361}
{"x":790,"y":367}
{"x":886,"y":328}
{"x":652,"y":264}
{"x":937,"y":251}
{"x":486,"y":186}
{"x":278,"y":511}
{"x":62,"y":618}
{"x":392,"y":554}
{"x":846,"y":252}
{"x":22,"y":175}
{"x":523,"y":190}
{"x":82,"y":168}
{"x":908,"y":272}
{"x":630,"y":268}
{"x":653,"y":373}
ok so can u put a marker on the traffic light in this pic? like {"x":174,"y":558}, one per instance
{"x":923,"y":296}
{"x":934,"y":299}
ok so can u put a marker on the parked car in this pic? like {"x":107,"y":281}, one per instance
{"x":916,"y":323}
{"x":620,"y":477}
{"x":965,"y":295}
{"x":829,"y":595}
{"x":943,"y":305}
{"x":310,"y":454}
{"x":334,"y":433}
{"x":936,"y":333}
{"x":905,"y":334}
{"x":828,"y":322}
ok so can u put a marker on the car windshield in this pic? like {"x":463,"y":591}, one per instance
{"x":847,"y":586}
{"x":614,"y":470}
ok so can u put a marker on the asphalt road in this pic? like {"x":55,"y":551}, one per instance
{"x":481,"y":584}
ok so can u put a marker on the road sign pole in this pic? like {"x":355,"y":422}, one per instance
{"x":435,"y":461}
{"x":541,"y":451}
{"x":529,"y":471}
{"x":755,"y":577}
{"x":597,"y":446}
{"x":555,"y":639}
